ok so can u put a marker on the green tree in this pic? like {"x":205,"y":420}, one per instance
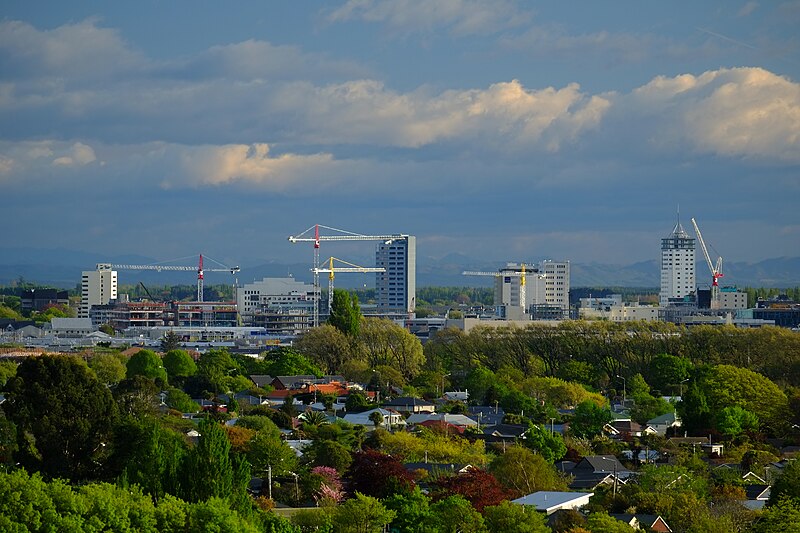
{"x":64,"y":416}
{"x":170,"y":342}
{"x":387,"y":343}
{"x":209,"y":469}
{"x":728,"y":385}
{"x":512,"y":518}
{"x":362,"y":514}
{"x":326,"y":346}
{"x":412,"y":511}
{"x":288,"y":362}
{"x":179,"y":400}
{"x":345,"y":313}
{"x":787,"y":486}
{"x":783,"y":516}
{"x":520,"y":469}
{"x":156,"y":454}
{"x":589,"y":419}
{"x":550,"y":445}
{"x":734,"y":420}
{"x":601,"y":522}
{"x":218,"y":369}
{"x":108,"y":368}
{"x":8,"y":370}
{"x":267,"y":451}
{"x":179,"y":364}
{"x":667,"y":372}
{"x":148,"y":364}
{"x":455,"y":514}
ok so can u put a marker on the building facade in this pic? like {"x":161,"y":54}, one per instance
{"x":284,"y":306}
{"x":98,"y":287}
{"x":395,"y":289}
{"x":677,"y":266}
{"x":546,"y":290}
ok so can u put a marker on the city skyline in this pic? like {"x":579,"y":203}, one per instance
{"x":490,"y":129}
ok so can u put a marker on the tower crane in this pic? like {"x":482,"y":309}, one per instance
{"x":351,"y":268}
{"x":715,"y":268}
{"x":340,"y":235}
{"x":521,"y":274}
{"x":199,"y":269}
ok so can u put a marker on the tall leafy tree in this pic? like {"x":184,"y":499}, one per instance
{"x":148,"y":364}
{"x":524,"y":472}
{"x":108,"y":367}
{"x":209,"y":469}
{"x":362,"y":514}
{"x":589,"y":419}
{"x":64,"y":417}
{"x":179,"y":364}
{"x":345,"y":313}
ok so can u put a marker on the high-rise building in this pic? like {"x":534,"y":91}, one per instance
{"x":546,"y":287}
{"x":98,"y":287}
{"x":556,"y":278}
{"x":677,"y":266}
{"x":396,"y":288}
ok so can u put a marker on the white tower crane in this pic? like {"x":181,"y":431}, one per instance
{"x":199,"y":269}
{"x":715,"y":268}
{"x":521,"y":274}
{"x":351,"y":268}
{"x":341,"y":235}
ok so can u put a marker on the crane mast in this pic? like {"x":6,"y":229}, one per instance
{"x":714,"y":268}
{"x":521,"y":274}
{"x":342,"y":235}
{"x":330,"y":271}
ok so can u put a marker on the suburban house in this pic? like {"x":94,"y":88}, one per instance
{"x":757,"y":496}
{"x":644,"y":521}
{"x":461,"y":421}
{"x":549,"y":502}
{"x":504,"y":432}
{"x":390,"y":418}
{"x":408,"y":404}
{"x":661,"y":424}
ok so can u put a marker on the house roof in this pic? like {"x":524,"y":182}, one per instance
{"x":438,"y":467}
{"x":71,"y":323}
{"x":757,"y":492}
{"x":591,"y":481}
{"x":408,"y":401}
{"x":600,"y":463}
{"x":545,"y":499}
{"x":668,"y":418}
{"x":509,"y":431}
{"x":456,"y":420}
{"x":441,"y":424}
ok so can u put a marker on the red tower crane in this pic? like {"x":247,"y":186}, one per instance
{"x":715,"y":268}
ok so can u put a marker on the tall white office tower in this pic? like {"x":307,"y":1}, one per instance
{"x":98,"y":287}
{"x":677,"y":265}
{"x":395,"y":289}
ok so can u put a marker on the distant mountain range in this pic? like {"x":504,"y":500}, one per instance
{"x":62,"y":268}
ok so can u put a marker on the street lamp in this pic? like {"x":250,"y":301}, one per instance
{"x":624,"y":388}
{"x":682,"y":382}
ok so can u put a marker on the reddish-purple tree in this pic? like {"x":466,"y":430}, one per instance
{"x":478,"y":487}
{"x":377,"y":474}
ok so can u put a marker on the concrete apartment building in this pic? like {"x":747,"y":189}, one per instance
{"x":395,"y":289}
{"x":677,"y":266}
{"x":546,"y":288}
{"x":98,"y":287}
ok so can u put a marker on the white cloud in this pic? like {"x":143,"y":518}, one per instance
{"x":461,"y":17}
{"x":79,"y":155}
{"x":80,"y":51}
{"x":747,"y":112}
{"x":505,"y":114}
{"x":219,"y":165}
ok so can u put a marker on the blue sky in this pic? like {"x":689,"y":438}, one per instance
{"x":500,"y":130}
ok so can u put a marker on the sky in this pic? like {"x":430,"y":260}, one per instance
{"x":499,"y":130}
